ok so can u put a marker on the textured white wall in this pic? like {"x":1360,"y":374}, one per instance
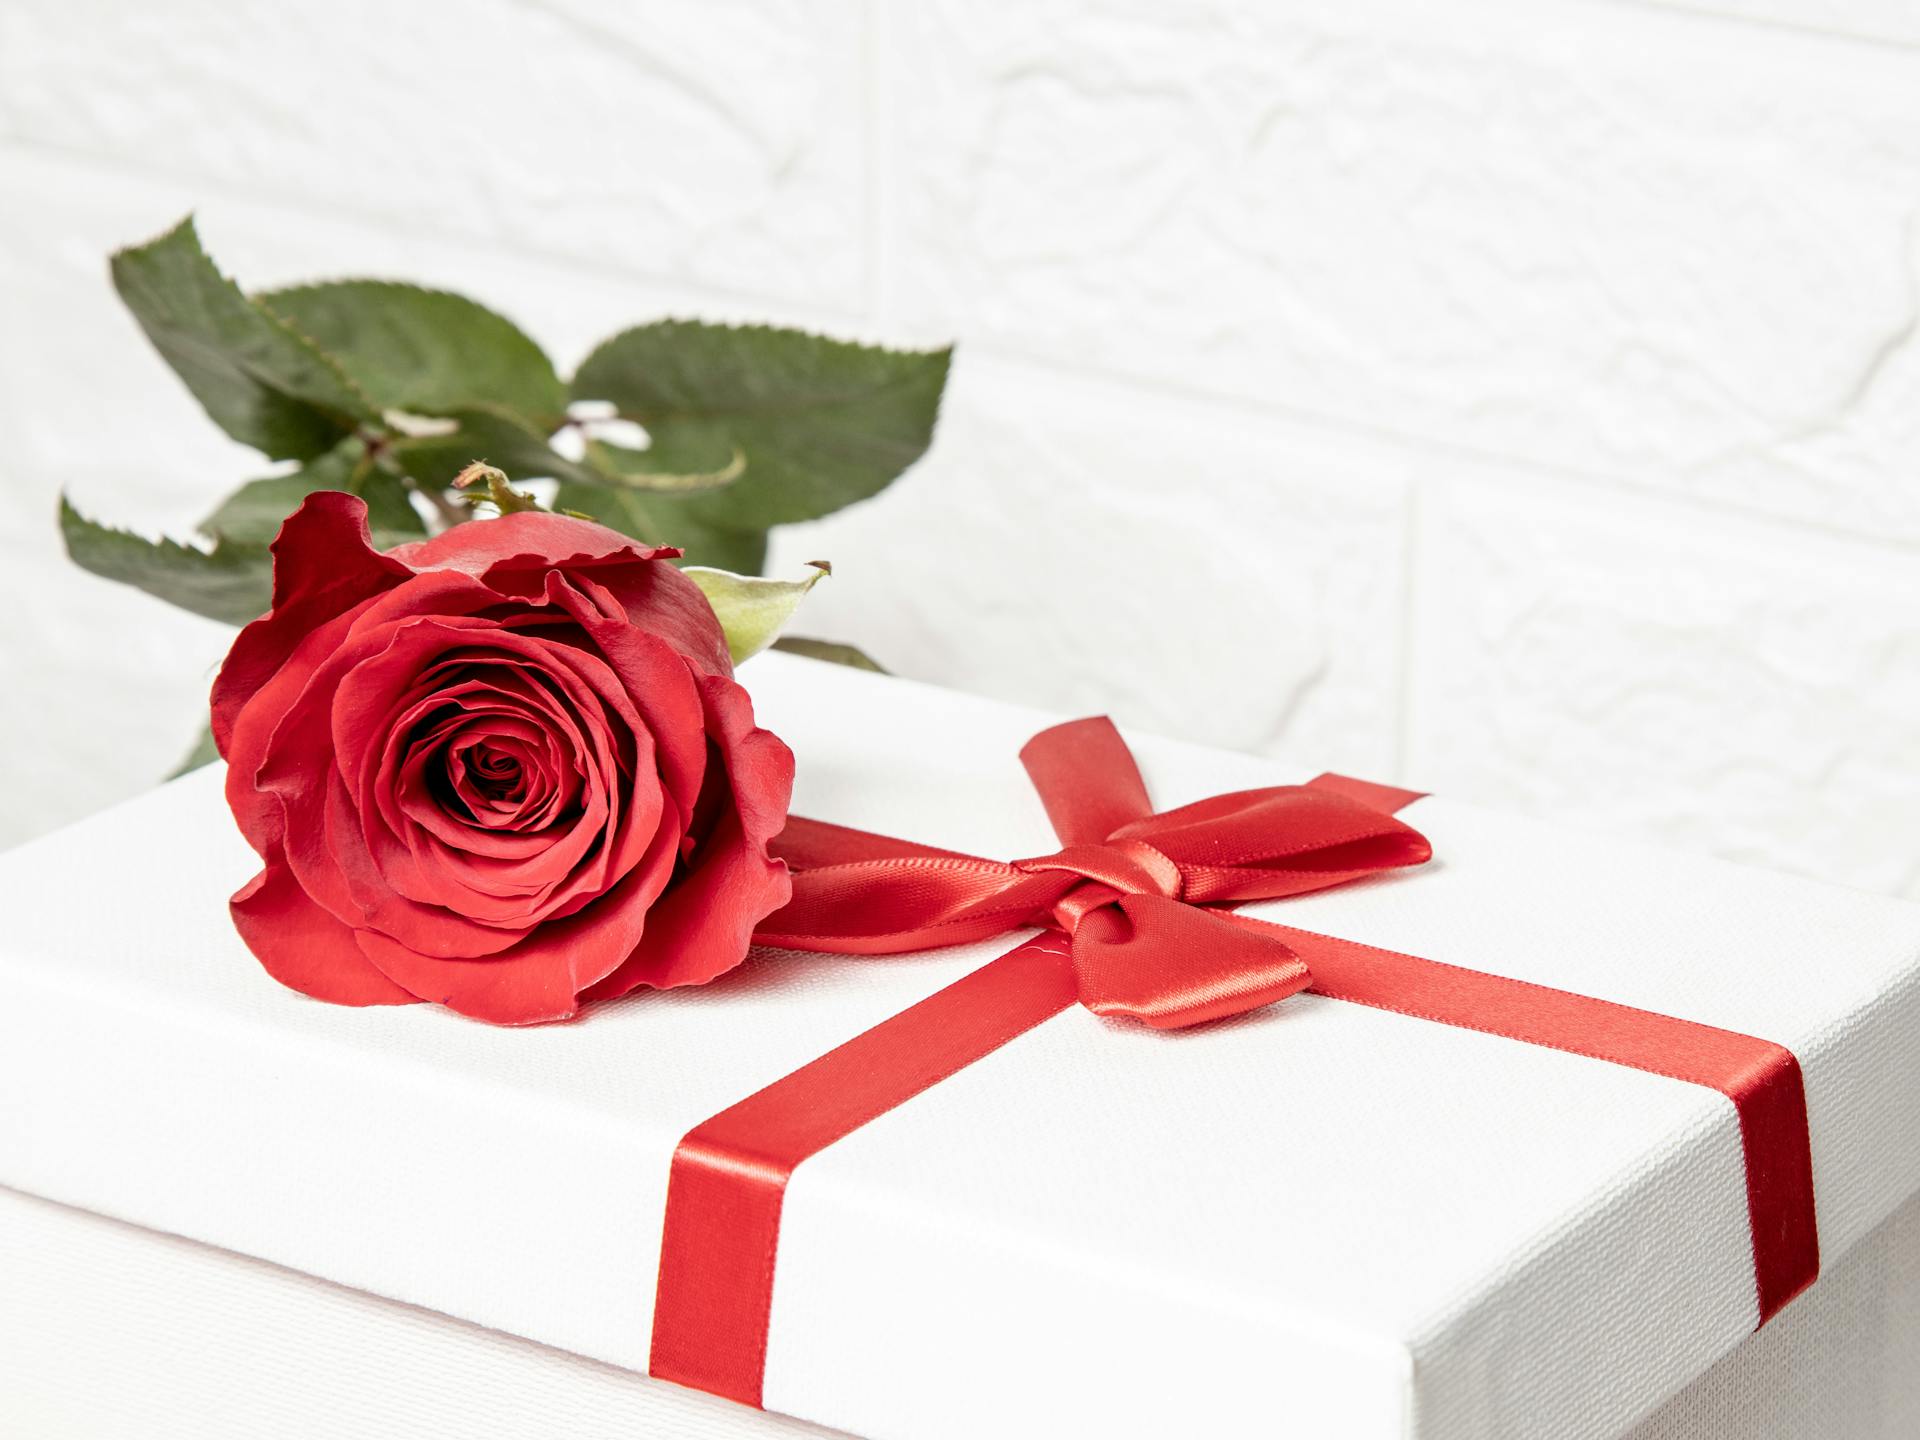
{"x":1517,"y":399}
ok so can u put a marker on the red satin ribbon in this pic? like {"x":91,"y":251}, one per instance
{"x":1128,"y":937}
{"x":1128,"y":886}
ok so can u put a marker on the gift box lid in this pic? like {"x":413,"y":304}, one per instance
{"x":1321,"y":1218}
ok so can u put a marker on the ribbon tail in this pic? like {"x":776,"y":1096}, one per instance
{"x":1170,"y":965}
{"x":810,"y":844}
{"x":910,"y":902}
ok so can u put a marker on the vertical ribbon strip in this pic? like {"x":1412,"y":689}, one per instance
{"x":730,"y":1173}
{"x":1127,"y":937}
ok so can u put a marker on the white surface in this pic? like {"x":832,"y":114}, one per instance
{"x":112,"y":1332}
{"x":1403,"y":1228}
{"x":1525,"y":393}
{"x":1837,"y":1365}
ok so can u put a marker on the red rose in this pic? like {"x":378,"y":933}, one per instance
{"x":506,"y":770}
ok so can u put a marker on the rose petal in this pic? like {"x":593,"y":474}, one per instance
{"x":658,"y":682}
{"x":441,"y":904}
{"x":515,"y":553}
{"x":412,"y":834}
{"x":305,"y":948}
{"x":260,"y":813}
{"x":288,"y":772}
{"x":659,"y":600}
{"x":704,"y":924}
{"x":324,"y":564}
{"x":543,"y":976}
{"x":296,"y":758}
{"x":403,"y":758}
{"x":500,"y":767}
{"x":535,"y":540}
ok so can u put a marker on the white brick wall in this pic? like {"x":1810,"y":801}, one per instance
{"x":1515,"y":397}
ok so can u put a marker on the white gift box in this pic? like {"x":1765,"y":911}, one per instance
{"x":1321,"y":1219}
{"x":109,"y":1332}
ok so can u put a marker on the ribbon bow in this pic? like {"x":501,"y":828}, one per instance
{"x":1143,"y":899}
{"x":1139,"y":895}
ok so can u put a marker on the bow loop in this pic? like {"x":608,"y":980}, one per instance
{"x":1128,"y":886}
{"x":1059,"y":759}
{"x":1281,"y":841}
{"x":1169,"y":965}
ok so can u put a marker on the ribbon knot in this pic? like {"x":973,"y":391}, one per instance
{"x":1109,"y":870}
{"x":1141,"y":896}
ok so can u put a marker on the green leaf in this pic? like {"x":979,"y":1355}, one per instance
{"x":232,"y":582}
{"x":834,"y":652}
{"x":263,"y":383}
{"x":626,"y":468}
{"x":491,"y":434}
{"x":753,"y":610}
{"x":821,"y":422}
{"x":425,"y":351}
{"x":666,"y":520}
{"x":742,"y":551}
{"x":255,"y":511}
{"x":204,"y":752}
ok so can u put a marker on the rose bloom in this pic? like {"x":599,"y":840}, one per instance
{"x":504,"y":770}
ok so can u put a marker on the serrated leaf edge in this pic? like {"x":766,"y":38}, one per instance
{"x":942,"y":353}
{"x":190,"y":224}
